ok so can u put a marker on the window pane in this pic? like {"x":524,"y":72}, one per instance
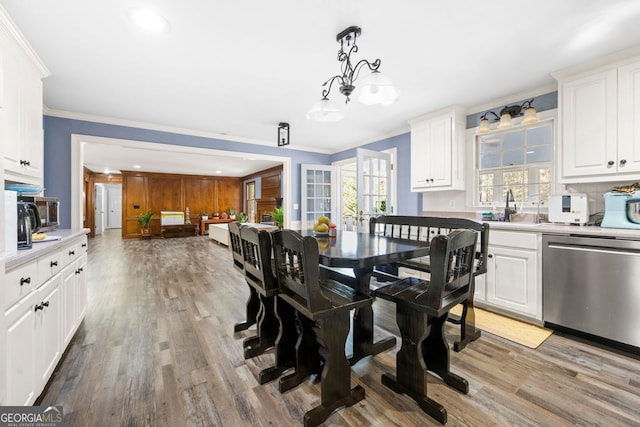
{"x":539,"y":154}
{"x":489,"y":144}
{"x":539,"y":136}
{"x":513,"y":140}
{"x":512,"y":158}
{"x":489,"y":161}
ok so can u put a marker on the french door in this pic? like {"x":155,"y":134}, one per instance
{"x":374,"y":186}
{"x":318,"y":194}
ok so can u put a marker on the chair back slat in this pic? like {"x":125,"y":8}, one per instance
{"x":236,"y":246}
{"x":297,"y":268}
{"x":256,"y":250}
{"x":452,"y":258}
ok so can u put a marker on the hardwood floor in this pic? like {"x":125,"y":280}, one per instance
{"x":157,"y":348}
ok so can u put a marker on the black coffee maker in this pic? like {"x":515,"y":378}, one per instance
{"x":28,"y":223}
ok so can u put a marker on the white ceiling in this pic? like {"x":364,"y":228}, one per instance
{"x":237,"y":68}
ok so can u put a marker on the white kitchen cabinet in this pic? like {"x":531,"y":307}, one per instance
{"x":45,"y":304}
{"x":21,"y":109}
{"x":599,"y":123}
{"x":513,"y":280}
{"x":437,"y":151}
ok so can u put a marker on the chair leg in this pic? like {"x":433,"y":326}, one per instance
{"x":285,"y":351}
{"x":436,"y":355}
{"x":252,"y":309}
{"x":468,"y":330}
{"x":411,"y":372}
{"x":267,"y":329}
{"x":307,"y":357}
{"x":336,"y":389}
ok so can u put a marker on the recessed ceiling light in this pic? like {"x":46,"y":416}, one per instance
{"x":149,"y":20}
{"x":106,"y":171}
{"x":136,"y":166}
{"x":218,"y":171}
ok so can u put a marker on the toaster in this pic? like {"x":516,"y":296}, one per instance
{"x":569,"y":208}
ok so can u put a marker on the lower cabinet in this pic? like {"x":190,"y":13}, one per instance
{"x":513,"y":280}
{"x":42,"y":322}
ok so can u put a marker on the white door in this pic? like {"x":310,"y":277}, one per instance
{"x":374,"y":186}
{"x":114,"y":205}
{"x":98,"y":209}
{"x":317,"y":194}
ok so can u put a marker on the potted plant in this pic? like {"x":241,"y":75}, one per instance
{"x":204,"y":215}
{"x":232,"y":213}
{"x":278,"y":217}
{"x":144,"y":220}
{"x":242,"y":217}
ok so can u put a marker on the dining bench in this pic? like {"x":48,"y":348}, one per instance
{"x":425,"y":228}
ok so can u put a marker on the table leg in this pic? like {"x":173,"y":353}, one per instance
{"x":363,"y":344}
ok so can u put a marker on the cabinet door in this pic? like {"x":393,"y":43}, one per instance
{"x":589,"y":125}
{"x":420,"y":155}
{"x":629,"y":118}
{"x":481,"y":288}
{"x":32,"y":129}
{"x":81,"y":288}
{"x":47,"y":334}
{"x":440,"y":146}
{"x":68,"y":289}
{"x":21,"y":372}
{"x":10,"y":111}
{"x":512,"y":280}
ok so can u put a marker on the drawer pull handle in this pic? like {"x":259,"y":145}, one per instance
{"x":84,"y":245}
{"x":39,"y":307}
{"x":78,"y":271}
{"x":610,"y":162}
{"x":54,"y":263}
{"x":72,"y":253}
{"x":24,"y":280}
{"x":45,"y":303}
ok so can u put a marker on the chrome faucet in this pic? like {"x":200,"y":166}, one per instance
{"x":507,"y":210}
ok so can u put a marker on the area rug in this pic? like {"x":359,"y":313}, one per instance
{"x":514,"y":330}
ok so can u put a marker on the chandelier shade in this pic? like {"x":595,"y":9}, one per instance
{"x":325,"y":111}
{"x":376,"y":89}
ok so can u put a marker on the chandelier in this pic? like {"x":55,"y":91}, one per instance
{"x":374,"y":89}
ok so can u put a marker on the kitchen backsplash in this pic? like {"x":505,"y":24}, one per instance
{"x":594,"y":193}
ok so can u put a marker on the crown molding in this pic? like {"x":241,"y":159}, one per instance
{"x":10,"y":27}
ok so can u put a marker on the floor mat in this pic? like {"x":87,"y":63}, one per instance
{"x":514,"y":330}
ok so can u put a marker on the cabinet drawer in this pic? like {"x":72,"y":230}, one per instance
{"x":70,"y":253}
{"x":83,"y":245}
{"x":515,"y":239}
{"x":20,"y":282}
{"x":49,"y":266}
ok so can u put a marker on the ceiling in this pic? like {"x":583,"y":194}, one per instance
{"x":235,"y":69}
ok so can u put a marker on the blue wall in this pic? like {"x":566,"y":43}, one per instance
{"x":57,"y":154}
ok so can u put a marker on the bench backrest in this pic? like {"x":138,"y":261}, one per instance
{"x":427,"y":228}
{"x":256,"y":250}
{"x":452,"y":268}
{"x":236,"y":246}
{"x":297,"y":268}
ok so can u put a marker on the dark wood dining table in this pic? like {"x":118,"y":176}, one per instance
{"x":361,"y":252}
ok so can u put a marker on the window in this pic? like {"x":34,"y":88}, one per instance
{"x":250,"y":191}
{"x":520,"y":160}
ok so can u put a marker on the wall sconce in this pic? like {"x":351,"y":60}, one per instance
{"x":283,"y":134}
{"x":506,"y":114}
{"x":373,"y":89}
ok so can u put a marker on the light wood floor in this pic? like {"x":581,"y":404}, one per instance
{"x":157,"y":348}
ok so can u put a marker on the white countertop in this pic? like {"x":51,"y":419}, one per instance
{"x":43,"y":248}
{"x":583,"y":230}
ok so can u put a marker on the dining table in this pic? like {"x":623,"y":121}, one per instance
{"x":361,"y":252}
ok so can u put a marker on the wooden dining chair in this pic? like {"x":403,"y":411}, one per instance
{"x":426,"y":228}
{"x":276,"y":320}
{"x":252,"y":306}
{"x":422,"y":308}
{"x":322,"y":308}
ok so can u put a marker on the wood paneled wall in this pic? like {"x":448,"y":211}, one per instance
{"x":271,"y":190}
{"x":168,"y":192}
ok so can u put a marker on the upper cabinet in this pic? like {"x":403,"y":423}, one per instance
{"x":21,"y":109}
{"x":437,"y":151}
{"x":599,"y":117}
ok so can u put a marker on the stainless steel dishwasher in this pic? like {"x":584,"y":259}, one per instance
{"x":592,"y":285}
